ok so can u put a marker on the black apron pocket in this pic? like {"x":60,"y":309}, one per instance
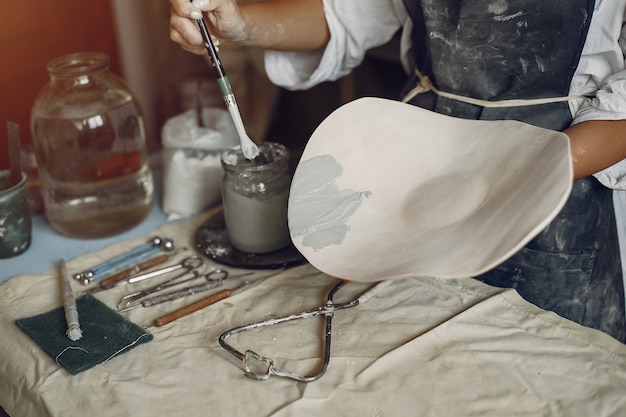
{"x":558,"y":282}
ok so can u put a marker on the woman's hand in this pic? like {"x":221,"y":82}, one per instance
{"x":223,"y":18}
{"x":293,"y":25}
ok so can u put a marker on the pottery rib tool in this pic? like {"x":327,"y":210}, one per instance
{"x":248,"y":147}
{"x":200,"y":304}
{"x":13,"y":130}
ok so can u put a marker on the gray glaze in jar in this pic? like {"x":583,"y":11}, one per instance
{"x":255,"y":194}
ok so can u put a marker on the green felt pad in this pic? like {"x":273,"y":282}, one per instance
{"x":105,"y":334}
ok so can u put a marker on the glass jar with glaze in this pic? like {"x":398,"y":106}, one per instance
{"x":255,"y":194}
{"x":90,"y":147}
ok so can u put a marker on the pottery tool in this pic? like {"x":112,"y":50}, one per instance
{"x":248,"y":147}
{"x":88,"y":274}
{"x":13,"y":129}
{"x":125,"y":260}
{"x":214,"y":275}
{"x":200,"y":304}
{"x":74,"y":332}
{"x":110,"y":282}
{"x":327,"y":310}
{"x":175,"y":295}
{"x":188,"y":264}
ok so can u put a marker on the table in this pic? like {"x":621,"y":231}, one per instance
{"x":48,"y":246}
{"x":422,"y":346}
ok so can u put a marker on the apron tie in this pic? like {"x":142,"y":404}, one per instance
{"x":425,"y":84}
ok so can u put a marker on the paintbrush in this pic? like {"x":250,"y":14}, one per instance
{"x":13,"y":130}
{"x":74,"y":332}
{"x":248,"y":147}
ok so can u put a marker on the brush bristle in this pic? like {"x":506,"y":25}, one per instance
{"x":74,"y":333}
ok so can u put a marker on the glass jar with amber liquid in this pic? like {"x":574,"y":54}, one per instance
{"x":90,"y":147}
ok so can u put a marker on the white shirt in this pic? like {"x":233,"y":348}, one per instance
{"x":358,"y":25}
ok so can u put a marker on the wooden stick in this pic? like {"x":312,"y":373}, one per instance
{"x":191,"y":308}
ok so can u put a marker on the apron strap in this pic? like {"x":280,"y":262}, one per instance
{"x":425,"y":84}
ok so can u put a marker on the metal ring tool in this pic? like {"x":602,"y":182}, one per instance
{"x":327,"y":310}
{"x":189,"y":263}
{"x":125,"y":260}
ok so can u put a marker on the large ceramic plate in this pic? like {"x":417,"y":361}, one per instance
{"x":385,"y":189}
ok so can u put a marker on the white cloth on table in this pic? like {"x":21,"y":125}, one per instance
{"x":422,"y":346}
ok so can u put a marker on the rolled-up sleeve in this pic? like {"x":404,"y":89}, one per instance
{"x":609,"y":104}
{"x":602,"y":73}
{"x":355,"y":26}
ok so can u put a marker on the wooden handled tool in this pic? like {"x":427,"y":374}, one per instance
{"x":200,"y":304}
{"x":111,"y":281}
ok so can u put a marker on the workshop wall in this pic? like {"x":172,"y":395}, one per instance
{"x":298,"y":113}
{"x":32,"y":33}
{"x":136,"y":37}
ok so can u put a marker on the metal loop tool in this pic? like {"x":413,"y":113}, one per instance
{"x":125,"y":260}
{"x":115,"y":279}
{"x":189,"y":263}
{"x":328,"y":310}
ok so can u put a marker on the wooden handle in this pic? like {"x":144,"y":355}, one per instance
{"x":131,"y":271}
{"x":191,"y":308}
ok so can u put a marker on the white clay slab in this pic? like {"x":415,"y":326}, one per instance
{"x":386,"y":189}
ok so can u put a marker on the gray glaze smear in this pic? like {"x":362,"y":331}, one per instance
{"x":318,"y":210}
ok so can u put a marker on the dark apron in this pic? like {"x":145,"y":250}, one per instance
{"x":528,"y":49}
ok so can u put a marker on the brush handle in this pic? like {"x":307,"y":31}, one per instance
{"x":220,"y":73}
{"x":248,"y":147}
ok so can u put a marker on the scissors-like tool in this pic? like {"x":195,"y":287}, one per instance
{"x":327,"y":310}
{"x":183,"y":292}
{"x":175,"y":295}
{"x":216,"y":274}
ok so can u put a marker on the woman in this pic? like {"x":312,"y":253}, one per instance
{"x":563,"y":58}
